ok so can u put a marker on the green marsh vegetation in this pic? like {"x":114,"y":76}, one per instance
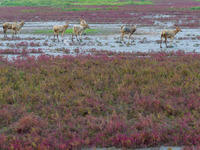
{"x":68,"y":31}
{"x":195,"y":8}
{"x":72,"y":2}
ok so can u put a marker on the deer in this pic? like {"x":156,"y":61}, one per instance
{"x":17,"y":27}
{"x":169,"y":34}
{"x":78,"y":29}
{"x":126,"y":30}
{"x":7,"y":26}
{"x":60,"y":29}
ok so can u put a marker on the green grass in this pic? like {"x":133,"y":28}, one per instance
{"x":28,"y":10}
{"x":74,"y":8}
{"x":72,"y":2}
{"x":88,"y":9}
{"x":113,"y":2}
{"x":195,"y":8}
{"x":68,"y":31}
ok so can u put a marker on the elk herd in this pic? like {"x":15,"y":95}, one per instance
{"x":80,"y":29}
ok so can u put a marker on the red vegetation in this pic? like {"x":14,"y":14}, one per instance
{"x":176,"y":12}
{"x":120,"y":100}
{"x":28,"y":123}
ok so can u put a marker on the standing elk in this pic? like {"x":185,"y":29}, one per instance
{"x":60,"y":29}
{"x":78,"y":29}
{"x":7,"y":26}
{"x":126,"y":30}
{"x":17,"y":27}
{"x":169,"y":34}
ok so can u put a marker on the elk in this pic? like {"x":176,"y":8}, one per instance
{"x":126,"y":30}
{"x":169,"y":34}
{"x":78,"y":29}
{"x":7,"y":26}
{"x":60,"y":29}
{"x":17,"y":27}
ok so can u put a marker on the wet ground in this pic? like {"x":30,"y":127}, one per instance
{"x":145,"y":39}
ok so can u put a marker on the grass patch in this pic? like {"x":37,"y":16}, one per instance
{"x":114,"y":2}
{"x":31,"y":10}
{"x":195,"y":8}
{"x":68,"y":31}
{"x":88,"y":9}
{"x":72,"y":2}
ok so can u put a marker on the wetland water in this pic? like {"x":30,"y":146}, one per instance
{"x":145,"y":39}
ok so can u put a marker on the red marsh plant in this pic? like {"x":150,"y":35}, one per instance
{"x":175,"y":12}
{"x":20,"y":51}
{"x":27,"y":124}
{"x":82,"y":101}
{"x":19,"y":39}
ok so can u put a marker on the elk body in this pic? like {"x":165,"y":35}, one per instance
{"x":126,"y":30}
{"x":7,"y":26}
{"x":169,"y":34}
{"x":78,"y":30}
{"x":60,"y":29}
{"x":16,"y":27}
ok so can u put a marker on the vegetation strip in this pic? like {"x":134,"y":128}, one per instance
{"x":77,"y":2}
{"x":72,"y":102}
{"x":68,"y":31}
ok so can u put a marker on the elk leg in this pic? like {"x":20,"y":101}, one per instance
{"x":12,"y":33}
{"x":5,"y":30}
{"x":80,"y":37}
{"x":120,"y":37}
{"x":62,"y":36}
{"x":166,"y":42}
{"x":15,"y":33}
{"x":129,"y":38}
{"x":123,"y":37}
{"x":84,"y":32}
{"x":161,"y":41}
{"x":54,"y":35}
{"x":18,"y":33}
{"x":57,"y":37}
{"x":171,"y":40}
{"x":76,"y":36}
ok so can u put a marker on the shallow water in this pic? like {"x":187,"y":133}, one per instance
{"x":145,"y":39}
